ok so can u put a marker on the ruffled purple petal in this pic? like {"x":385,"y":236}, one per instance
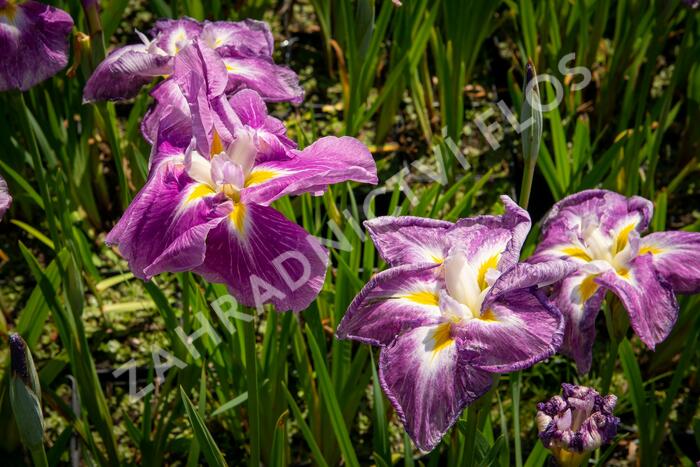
{"x":328,"y":161}
{"x":264,"y":258}
{"x":399,"y":298}
{"x":517,"y":330}
{"x":275,"y":83}
{"x":166,"y":225}
{"x":247,"y":38}
{"x":428,"y":383}
{"x":5,"y":198}
{"x":173,"y":35}
{"x":409,"y":240}
{"x":579,"y":299}
{"x":648,"y":298}
{"x":34,"y":43}
{"x":124,"y":72}
{"x":614,"y":217}
{"x":515,"y":221}
{"x":270,"y":134}
{"x":201,"y":75}
{"x":168,"y":100}
{"x":526,"y":275}
{"x":676,"y":257}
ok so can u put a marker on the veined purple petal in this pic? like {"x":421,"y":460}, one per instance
{"x":270,"y":134}
{"x":201,"y":76}
{"x":247,"y":38}
{"x":329,"y":160}
{"x":579,"y":298}
{"x":124,"y":72}
{"x":648,"y":298}
{"x":173,"y":35}
{"x":515,"y":220}
{"x":676,"y":256}
{"x":409,"y":240}
{"x":34,"y":43}
{"x":428,"y":383}
{"x":577,"y":220}
{"x":526,"y":275}
{"x":275,"y":83}
{"x":166,"y":225}
{"x":517,"y":330}
{"x":5,"y":198}
{"x":399,"y":298}
{"x":169,"y":99}
{"x":265,"y":258}
{"x":604,"y":204}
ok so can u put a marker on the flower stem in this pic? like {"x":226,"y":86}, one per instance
{"x":526,"y":185}
{"x":253,"y":392}
{"x":516,"y":380}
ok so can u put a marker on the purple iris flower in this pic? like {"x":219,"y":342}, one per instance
{"x":455,"y":307}
{"x":5,"y":198}
{"x":245,"y":47}
{"x":576,"y":423}
{"x":599,"y":231}
{"x":34,"y":43}
{"x":214,"y":171}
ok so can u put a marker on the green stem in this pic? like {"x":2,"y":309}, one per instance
{"x":253,"y":392}
{"x":39,"y":170}
{"x":526,"y":185}
{"x":515,"y":387}
{"x":470,"y":435}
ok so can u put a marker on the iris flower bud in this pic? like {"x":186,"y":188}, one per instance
{"x":576,"y":423}
{"x":25,"y":396}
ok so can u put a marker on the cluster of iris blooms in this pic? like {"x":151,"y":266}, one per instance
{"x":455,"y":307}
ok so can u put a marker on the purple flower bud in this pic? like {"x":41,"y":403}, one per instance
{"x":18,"y":357}
{"x":576,"y":423}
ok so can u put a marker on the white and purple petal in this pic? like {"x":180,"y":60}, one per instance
{"x":409,"y":240}
{"x":579,"y":299}
{"x":264,"y":258}
{"x":166,"y":225}
{"x":173,"y":35}
{"x":648,"y":298}
{"x":515,"y":222}
{"x":579,"y":225}
{"x":124,"y":72}
{"x":396,"y":299}
{"x":676,"y":257}
{"x":247,"y":38}
{"x":34,"y":43}
{"x":517,"y":330}
{"x":428,"y":382}
{"x":328,"y":161}
{"x":275,"y":83}
{"x":270,"y":134}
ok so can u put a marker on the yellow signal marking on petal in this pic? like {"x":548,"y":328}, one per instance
{"x":654,"y":250}
{"x":623,"y":236}
{"x":423,"y":297}
{"x":9,"y":12}
{"x":442,"y":337}
{"x":437,"y":260}
{"x":237,"y":216}
{"x":587,"y":288}
{"x":217,"y":146}
{"x":576,"y":252}
{"x":490,"y":263}
{"x":488,"y":315}
{"x":257,"y":177}
{"x":200,"y":191}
